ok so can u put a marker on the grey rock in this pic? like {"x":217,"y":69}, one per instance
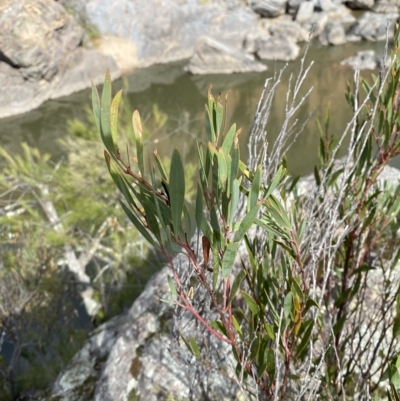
{"x":386,"y":6}
{"x":269,"y":8}
{"x":82,"y":67}
{"x":135,"y":354}
{"x":271,"y":47}
{"x":278,"y":48}
{"x":213,"y":57}
{"x":373,"y":27}
{"x":168,"y":30}
{"x":333,"y":34}
{"x":305,"y":12}
{"x":285,"y":26}
{"x":35,"y":36}
{"x":364,"y":60}
{"x":320,"y":19}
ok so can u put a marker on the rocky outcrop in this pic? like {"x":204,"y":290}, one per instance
{"x":167,"y":30}
{"x":135,"y":355}
{"x":364,"y":60}
{"x":373,"y":27}
{"x":41,"y":56}
{"x":333,"y":34}
{"x":213,"y":57}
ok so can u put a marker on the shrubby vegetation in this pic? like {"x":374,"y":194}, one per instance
{"x":64,"y":239}
{"x":296,"y":280}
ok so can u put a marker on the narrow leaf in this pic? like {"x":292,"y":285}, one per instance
{"x":177,"y":190}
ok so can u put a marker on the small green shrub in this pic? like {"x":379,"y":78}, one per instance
{"x":299,"y":279}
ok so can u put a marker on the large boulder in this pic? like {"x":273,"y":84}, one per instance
{"x":167,"y":30}
{"x":333,"y":34}
{"x":41,"y":56}
{"x":35,"y":36}
{"x":136,"y":356}
{"x":373,"y":27}
{"x":285,"y":26}
{"x":213,"y":57}
{"x":386,"y":6}
{"x":269,"y":8}
{"x":364,"y":60}
{"x":271,"y":47}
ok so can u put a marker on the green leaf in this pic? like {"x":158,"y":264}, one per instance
{"x":288,"y":305}
{"x":229,"y":259}
{"x":114,"y":118}
{"x":137,"y":129}
{"x":139,"y":225}
{"x":222,"y":170}
{"x":219,"y":116}
{"x":235,"y":286}
{"x":306,"y":338}
{"x":255,"y":189}
{"x":199,"y":207}
{"x":177,"y":190}
{"x":195,"y":347}
{"x":174,"y":293}
{"x":247,"y":222}
{"x":233,"y":204}
{"x":237,"y":327}
{"x":310,"y":302}
{"x":105,"y":114}
{"x":228,"y":140}
{"x":275,"y":181}
{"x":160,"y":166}
{"x":251,"y":303}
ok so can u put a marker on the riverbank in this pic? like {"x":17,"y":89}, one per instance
{"x":60,"y":47}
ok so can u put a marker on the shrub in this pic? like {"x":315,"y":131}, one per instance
{"x":297,"y":280}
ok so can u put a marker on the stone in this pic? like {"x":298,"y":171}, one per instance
{"x":35,"y":36}
{"x":305,"y":12}
{"x":373,"y":27}
{"x":269,"y":8}
{"x":364,"y":60}
{"x":168,"y":30}
{"x":333,"y":34}
{"x":122,"y":51}
{"x":213,"y":57}
{"x":271,"y":47}
{"x":285,"y":26}
{"x":386,"y":6}
{"x":81,"y":67}
{"x":278,"y":47}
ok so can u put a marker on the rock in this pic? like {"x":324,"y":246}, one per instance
{"x":364,"y":60}
{"x":386,"y":6}
{"x":269,"y":8}
{"x":293,"y":6}
{"x":135,"y":355}
{"x":35,"y":36}
{"x":81,"y":67}
{"x":333,"y":34}
{"x":271,"y":47}
{"x":305,"y":12}
{"x":319,"y":20}
{"x":213,"y":57}
{"x":278,"y":48}
{"x":285,"y":26}
{"x":360,"y":4}
{"x":168,"y":30}
{"x":373,"y":27}
{"x":121,"y":50}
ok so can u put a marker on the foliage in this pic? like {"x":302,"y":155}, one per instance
{"x":297,"y":279}
{"x":55,"y":215}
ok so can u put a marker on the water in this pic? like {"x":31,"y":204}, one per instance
{"x":182,"y":97}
